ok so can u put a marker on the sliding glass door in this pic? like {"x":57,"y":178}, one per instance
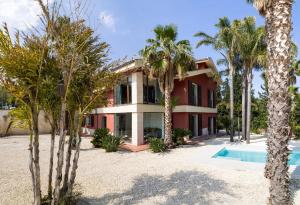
{"x":123,"y":126}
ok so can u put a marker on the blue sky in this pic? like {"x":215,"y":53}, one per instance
{"x":126,"y":24}
{"x":134,"y":20}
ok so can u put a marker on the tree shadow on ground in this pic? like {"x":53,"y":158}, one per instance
{"x":295,"y":182}
{"x":184,"y":187}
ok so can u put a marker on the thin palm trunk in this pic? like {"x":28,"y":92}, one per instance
{"x":248,"y":121}
{"x":279,"y":15}
{"x":53,"y":131}
{"x":244,"y":107}
{"x":36,"y":157}
{"x":168,"y":117}
{"x":77,"y":125}
{"x":60,"y":155}
{"x":231,"y":92}
{"x":68,"y":157}
{"x":31,"y":165}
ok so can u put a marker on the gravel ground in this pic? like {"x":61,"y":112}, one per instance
{"x":177,"y":177}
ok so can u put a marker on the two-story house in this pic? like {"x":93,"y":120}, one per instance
{"x":134,"y":110}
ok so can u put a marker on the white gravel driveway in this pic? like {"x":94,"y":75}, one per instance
{"x":185,"y":176}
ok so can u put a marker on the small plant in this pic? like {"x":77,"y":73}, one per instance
{"x":157,"y":145}
{"x":296,"y":131}
{"x":98,"y":137}
{"x":179,"y":134}
{"x":111,"y":143}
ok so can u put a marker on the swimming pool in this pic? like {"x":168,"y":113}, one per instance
{"x":253,"y":156}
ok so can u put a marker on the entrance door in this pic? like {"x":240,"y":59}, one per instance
{"x":123,"y":126}
{"x":193,"y":124}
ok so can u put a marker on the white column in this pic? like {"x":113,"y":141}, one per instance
{"x":137,"y":88}
{"x":137,"y":128}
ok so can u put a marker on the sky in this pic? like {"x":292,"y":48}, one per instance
{"x":126,"y":24}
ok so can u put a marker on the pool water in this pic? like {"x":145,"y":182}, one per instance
{"x":253,"y":156}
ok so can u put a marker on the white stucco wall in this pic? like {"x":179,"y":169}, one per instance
{"x":44,"y":126}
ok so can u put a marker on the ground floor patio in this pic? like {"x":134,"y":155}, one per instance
{"x":185,"y":175}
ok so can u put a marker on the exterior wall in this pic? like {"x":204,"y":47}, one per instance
{"x":44,"y":126}
{"x":181,"y":88}
{"x":181,"y":120}
{"x":98,"y":123}
{"x":110,"y":98}
{"x":138,"y":108}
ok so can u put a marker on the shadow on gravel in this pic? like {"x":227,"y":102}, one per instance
{"x":184,"y":187}
{"x":295,"y":182}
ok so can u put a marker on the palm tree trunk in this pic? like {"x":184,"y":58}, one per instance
{"x":68,"y":156}
{"x":53,"y":131}
{"x":279,"y":100}
{"x":36,"y":156}
{"x":244,"y":106}
{"x":168,"y":117}
{"x":231,"y":92}
{"x":60,"y":154}
{"x":31,"y":165}
{"x":248,"y":121}
{"x":77,"y":125}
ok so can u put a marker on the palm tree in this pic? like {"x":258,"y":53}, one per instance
{"x":278,"y":28}
{"x":224,"y":42}
{"x":251,"y":47}
{"x":165,"y":57}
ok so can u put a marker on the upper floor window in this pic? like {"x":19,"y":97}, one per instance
{"x":123,"y":91}
{"x":211,"y":98}
{"x":152,"y":92}
{"x":194,"y":94}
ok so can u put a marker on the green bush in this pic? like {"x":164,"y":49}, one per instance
{"x":296,"y":131}
{"x":111,"y":143}
{"x":179,"y":134}
{"x":98,"y":136}
{"x":157,"y":145}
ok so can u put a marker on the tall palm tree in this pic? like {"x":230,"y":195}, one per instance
{"x":251,"y":47}
{"x":166,"y":57}
{"x":224,"y":42}
{"x":278,"y":27}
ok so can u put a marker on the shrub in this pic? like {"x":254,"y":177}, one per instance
{"x":157,"y":145}
{"x":179,"y":134}
{"x":98,"y":136}
{"x":296,"y":131}
{"x":111,"y":143}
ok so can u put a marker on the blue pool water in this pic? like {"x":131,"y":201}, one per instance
{"x":252,"y":156}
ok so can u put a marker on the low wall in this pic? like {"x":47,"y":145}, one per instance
{"x":44,"y":126}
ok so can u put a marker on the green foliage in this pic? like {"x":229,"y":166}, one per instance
{"x":165,"y":56}
{"x":157,"y":145}
{"x":179,"y":134}
{"x":111,"y":143}
{"x":174,"y":101}
{"x":295,"y":114}
{"x":296,"y":131}
{"x":98,"y":136}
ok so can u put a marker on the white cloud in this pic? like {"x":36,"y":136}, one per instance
{"x":20,"y":14}
{"x":107,"y":20}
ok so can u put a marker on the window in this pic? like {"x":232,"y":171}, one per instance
{"x":89,"y":121}
{"x":212,"y":125}
{"x":153,"y":125}
{"x":152,"y":92}
{"x":123,"y":125}
{"x":123,"y":91}
{"x":211,"y":97}
{"x":194,"y":91}
{"x":104,"y":122}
